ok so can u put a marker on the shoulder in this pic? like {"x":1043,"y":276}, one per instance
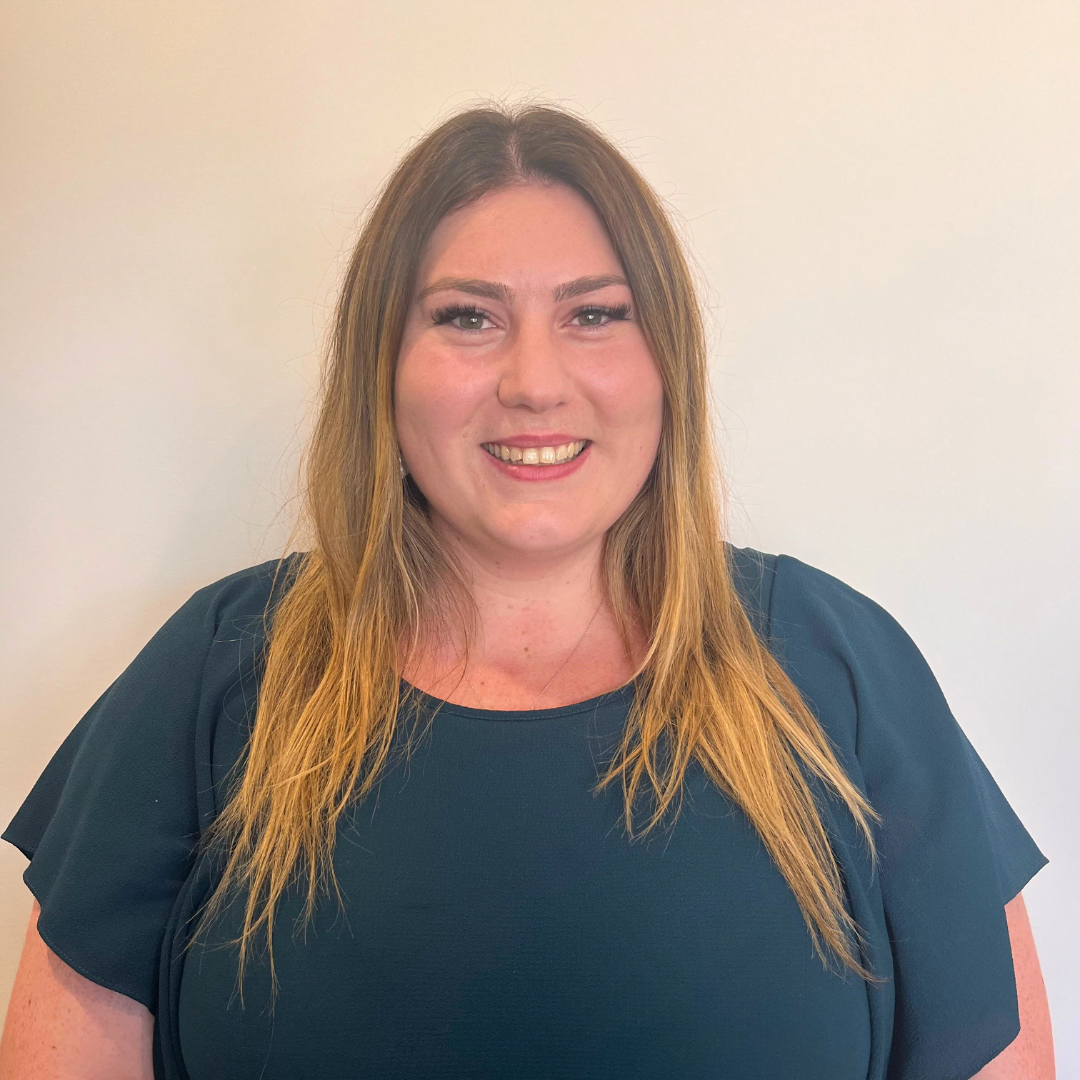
{"x":852,"y":661}
{"x":815,"y":615}
{"x":233,"y":602}
{"x":211,"y":652}
{"x":802,"y":604}
{"x":208,"y":650}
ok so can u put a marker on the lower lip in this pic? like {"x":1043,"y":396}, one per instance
{"x":537,"y":472}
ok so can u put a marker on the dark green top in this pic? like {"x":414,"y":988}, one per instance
{"x":499,"y":923}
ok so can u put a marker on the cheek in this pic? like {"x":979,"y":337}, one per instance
{"x":434,"y":399}
{"x":630,"y":394}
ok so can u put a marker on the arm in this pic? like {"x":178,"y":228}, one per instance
{"x":1030,"y":1056}
{"x":60,"y":1024}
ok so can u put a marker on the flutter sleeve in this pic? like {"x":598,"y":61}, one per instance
{"x":952,"y":851}
{"x":111,"y":825}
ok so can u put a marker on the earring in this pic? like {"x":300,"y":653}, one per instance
{"x":401,"y":466}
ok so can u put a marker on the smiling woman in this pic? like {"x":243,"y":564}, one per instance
{"x":518,"y":581}
{"x":556,"y":342}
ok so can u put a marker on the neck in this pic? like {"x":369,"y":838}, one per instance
{"x":531,"y":615}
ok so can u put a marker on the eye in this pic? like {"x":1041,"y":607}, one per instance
{"x":595,"y":315}
{"x":461,"y":317}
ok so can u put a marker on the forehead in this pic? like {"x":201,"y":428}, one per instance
{"x":545,"y":233}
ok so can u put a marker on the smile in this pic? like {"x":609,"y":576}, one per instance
{"x":537,"y":455}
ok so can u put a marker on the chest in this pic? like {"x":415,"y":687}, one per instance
{"x":498,"y":921}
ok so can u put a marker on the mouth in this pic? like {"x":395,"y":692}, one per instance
{"x":538,"y":456}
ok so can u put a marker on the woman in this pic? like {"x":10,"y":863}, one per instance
{"x":377,"y":810}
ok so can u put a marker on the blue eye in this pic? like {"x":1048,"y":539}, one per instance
{"x":471,"y":319}
{"x":595,"y":313}
{"x":463,"y":317}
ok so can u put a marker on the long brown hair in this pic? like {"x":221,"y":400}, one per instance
{"x":707,"y":688}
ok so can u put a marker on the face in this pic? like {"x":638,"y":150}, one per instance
{"x":528,"y":404}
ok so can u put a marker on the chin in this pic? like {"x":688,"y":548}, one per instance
{"x":539,"y":536}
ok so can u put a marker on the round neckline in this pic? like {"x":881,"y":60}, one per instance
{"x":430,"y":702}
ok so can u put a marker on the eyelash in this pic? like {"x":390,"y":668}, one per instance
{"x":447,"y":314}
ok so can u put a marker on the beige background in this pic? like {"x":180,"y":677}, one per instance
{"x":884,"y":199}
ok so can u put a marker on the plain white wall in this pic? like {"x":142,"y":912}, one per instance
{"x":884,"y":199}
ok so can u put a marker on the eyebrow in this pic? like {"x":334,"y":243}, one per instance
{"x":494,"y":290}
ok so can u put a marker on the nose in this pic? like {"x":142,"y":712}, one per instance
{"x":535,"y":374}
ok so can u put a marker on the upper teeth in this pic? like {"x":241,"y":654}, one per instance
{"x":536,"y":455}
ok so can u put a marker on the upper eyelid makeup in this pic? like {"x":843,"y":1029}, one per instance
{"x":449,"y":312}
